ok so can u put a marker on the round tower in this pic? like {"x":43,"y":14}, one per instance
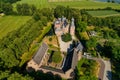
{"x":72,"y":27}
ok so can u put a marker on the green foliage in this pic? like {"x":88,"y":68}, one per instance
{"x":57,"y":57}
{"x":112,"y":51}
{"x":80,"y":63}
{"x":4,"y":74}
{"x":35,"y":48}
{"x":17,"y":76}
{"x":91,"y":43}
{"x":116,"y":53}
{"x":42,"y":76}
{"x":110,"y":34}
{"x":7,"y":8}
{"x":8,"y":57}
{"x":45,"y":14}
{"x":83,"y":4}
{"x":50,"y":39}
{"x":81,"y":26}
{"x":48,"y":13}
{"x":18,"y":42}
{"x":25,"y":9}
{"x":10,"y":1}
{"x":59,"y":11}
{"x":38,"y":3}
{"x":44,"y":20}
{"x":66,"y":37}
{"x":85,"y":69}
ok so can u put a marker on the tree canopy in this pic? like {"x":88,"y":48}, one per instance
{"x":66,"y":37}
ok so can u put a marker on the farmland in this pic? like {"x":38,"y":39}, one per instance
{"x":103,"y":13}
{"x":76,"y":4}
{"x":10,"y":23}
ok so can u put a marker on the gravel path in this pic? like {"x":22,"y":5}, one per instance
{"x":108,"y":72}
{"x":64,"y":45}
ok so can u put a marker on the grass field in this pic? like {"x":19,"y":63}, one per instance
{"x":10,"y":23}
{"x":103,"y":13}
{"x":37,"y":3}
{"x":76,"y":4}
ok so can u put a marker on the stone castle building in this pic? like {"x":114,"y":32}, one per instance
{"x":62,"y":26}
{"x":40,"y":61}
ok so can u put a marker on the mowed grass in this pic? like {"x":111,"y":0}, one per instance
{"x":86,"y":4}
{"x":82,"y":4}
{"x":61,"y":0}
{"x":10,"y":23}
{"x":103,"y":13}
{"x":37,"y":3}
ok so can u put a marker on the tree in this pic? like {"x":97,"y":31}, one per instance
{"x":44,"y":20}
{"x":81,"y":26}
{"x":4,"y":75}
{"x":48,"y":13}
{"x":115,"y":53}
{"x":7,"y":8}
{"x":37,"y":15}
{"x":33,"y":9}
{"x":91,"y":43}
{"x":17,"y":76}
{"x":10,"y":1}
{"x":66,"y":37}
{"x":8,"y":58}
{"x":19,"y":9}
{"x":25,"y":9}
{"x":59,"y":11}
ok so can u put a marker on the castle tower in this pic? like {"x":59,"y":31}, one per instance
{"x":72,"y":27}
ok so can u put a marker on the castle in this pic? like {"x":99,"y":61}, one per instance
{"x":61,"y":26}
{"x":65,"y":69}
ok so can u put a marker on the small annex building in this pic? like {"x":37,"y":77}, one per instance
{"x":39,"y":58}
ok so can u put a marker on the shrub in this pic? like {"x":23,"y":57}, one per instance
{"x":50,"y":39}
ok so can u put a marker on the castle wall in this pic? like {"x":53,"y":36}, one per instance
{"x":66,"y":75}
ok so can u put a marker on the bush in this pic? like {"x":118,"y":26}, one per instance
{"x":50,"y":39}
{"x":66,"y":37}
{"x":57,"y":57}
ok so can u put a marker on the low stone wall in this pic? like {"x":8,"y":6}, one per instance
{"x":66,"y":75}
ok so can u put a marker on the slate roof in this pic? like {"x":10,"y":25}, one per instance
{"x":52,"y":69}
{"x":40,"y":53}
{"x":71,"y":60}
{"x":74,"y":60}
{"x":79,"y":47}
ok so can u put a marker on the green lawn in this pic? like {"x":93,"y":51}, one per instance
{"x":76,"y":4}
{"x":103,"y":13}
{"x":56,"y":58}
{"x":10,"y":23}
